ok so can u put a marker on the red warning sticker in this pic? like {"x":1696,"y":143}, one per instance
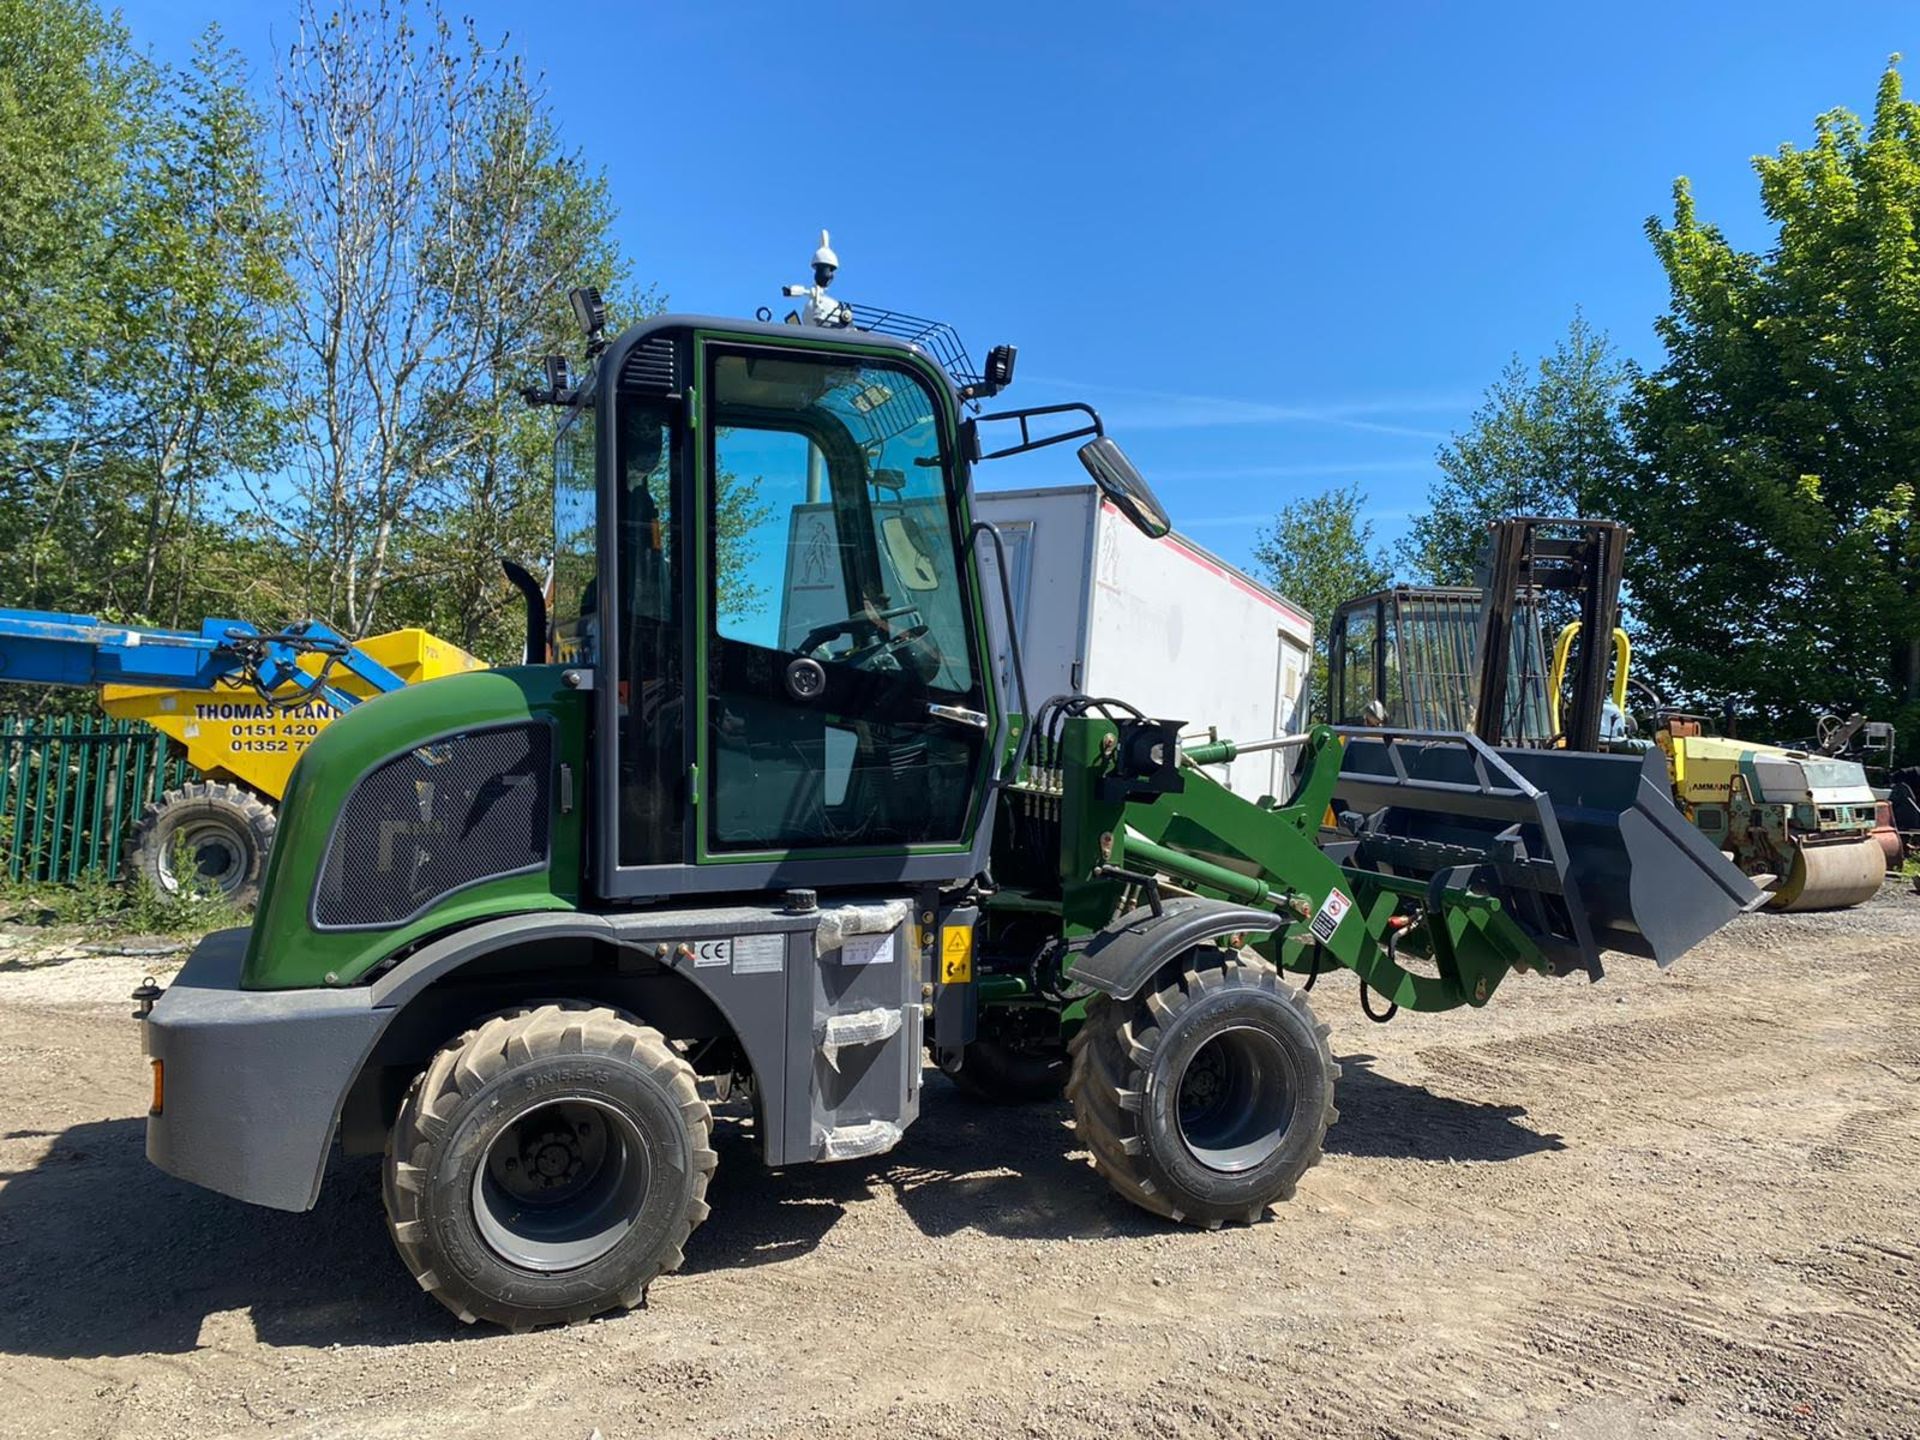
{"x":1327,"y":918}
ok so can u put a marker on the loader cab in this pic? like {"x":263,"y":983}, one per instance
{"x":761,"y":569}
{"x":1406,"y":658}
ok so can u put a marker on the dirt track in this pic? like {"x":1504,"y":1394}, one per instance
{"x":1667,"y":1206}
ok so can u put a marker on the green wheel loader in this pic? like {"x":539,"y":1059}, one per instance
{"x":765,"y":829}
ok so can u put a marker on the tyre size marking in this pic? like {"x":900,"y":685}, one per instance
{"x":711,"y":952}
{"x":1327,"y":918}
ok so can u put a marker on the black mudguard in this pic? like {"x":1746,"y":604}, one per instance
{"x":1122,"y":958}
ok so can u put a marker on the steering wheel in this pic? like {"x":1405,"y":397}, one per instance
{"x":833,"y":630}
{"x":1654,"y":701}
{"x":806,"y":677}
{"x":852,"y":625}
{"x":861,"y":657}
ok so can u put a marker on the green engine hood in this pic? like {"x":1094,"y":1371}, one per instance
{"x":288,"y":948}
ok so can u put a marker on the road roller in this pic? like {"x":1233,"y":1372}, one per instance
{"x":1801,"y":824}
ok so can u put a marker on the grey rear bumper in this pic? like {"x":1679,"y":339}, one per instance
{"x":254,"y":1078}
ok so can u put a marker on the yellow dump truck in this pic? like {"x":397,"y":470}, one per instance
{"x":242,"y":705}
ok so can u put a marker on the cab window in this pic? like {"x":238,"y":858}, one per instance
{"x":839,"y":624}
{"x":575,"y":595}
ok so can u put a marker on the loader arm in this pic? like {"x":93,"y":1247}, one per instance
{"x":1475,"y":861}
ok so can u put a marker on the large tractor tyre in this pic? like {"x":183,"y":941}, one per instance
{"x":208,"y":838}
{"x":1904,"y":788}
{"x":1207,"y":1099}
{"x":547,"y":1166}
{"x":1003,"y":1074}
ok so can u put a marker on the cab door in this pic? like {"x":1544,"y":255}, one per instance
{"x":844,"y":705}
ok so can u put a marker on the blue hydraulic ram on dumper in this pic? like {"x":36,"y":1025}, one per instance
{"x":242,"y":705}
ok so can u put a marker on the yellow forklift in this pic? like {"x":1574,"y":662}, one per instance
{"x":1802,"y":824}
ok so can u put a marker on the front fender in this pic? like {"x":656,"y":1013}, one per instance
{"x":1123,"y":957}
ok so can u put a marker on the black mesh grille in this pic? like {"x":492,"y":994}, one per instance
{"x":439,"y":818}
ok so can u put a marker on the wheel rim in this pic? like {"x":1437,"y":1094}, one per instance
{"x":562,"y":1183}
{"x":218,"y":858}
{"x":1236,"y":1099}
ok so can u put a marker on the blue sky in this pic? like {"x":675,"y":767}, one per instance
{"x":1278,"y":246}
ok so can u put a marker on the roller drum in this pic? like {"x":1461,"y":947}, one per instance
{"x":1831,"y":876}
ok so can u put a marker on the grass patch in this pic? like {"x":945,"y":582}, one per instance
{"x":96,"y":901}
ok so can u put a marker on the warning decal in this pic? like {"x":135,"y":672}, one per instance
{"x":956,"y":954}
{"x":1327,"y":918}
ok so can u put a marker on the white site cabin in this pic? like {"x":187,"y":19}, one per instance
{"x":1103,"y":610}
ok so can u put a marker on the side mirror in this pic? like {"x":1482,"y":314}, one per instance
{"x":1124,"y":486}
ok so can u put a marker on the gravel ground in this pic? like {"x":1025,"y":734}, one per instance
{"x":1677,"y":1205}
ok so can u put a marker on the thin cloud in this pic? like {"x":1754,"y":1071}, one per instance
{"x":1407,"y":465}
{"x":1221,"y":522}
{"x":1265,"y":517}
{"x":1130,"y":409}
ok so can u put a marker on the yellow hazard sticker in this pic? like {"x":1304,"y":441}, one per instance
{"x":956,"y":954}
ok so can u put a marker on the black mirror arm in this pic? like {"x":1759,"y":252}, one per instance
{"x":530,"y":591}
{"x":1027,"y":442}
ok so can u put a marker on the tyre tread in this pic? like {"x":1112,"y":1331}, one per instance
{"x":1110,"y":1056}
{"x":151,"y":836}
{"x":460,"y":1069}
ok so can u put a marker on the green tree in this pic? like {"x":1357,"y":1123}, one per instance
{"x":1318,"y":552}
{"x":437,"y":226}
{"x":1777,"y":557}
{"x":69,"y":89}
{"x":532,"y":211}
{"x":137,"y":264}
{"x":201,"y":394}
{"x":1547,"y":439}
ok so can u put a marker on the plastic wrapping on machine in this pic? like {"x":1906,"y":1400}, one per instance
{"x":850,"y":1142}
{"x":840,"y":921}
{"x":862,"y":1027}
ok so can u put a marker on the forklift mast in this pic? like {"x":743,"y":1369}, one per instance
{"x":1434,"y":657}
{"x":1527,"y":562}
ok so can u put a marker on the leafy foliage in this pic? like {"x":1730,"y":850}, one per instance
{"x":1777,"y":557}
{"x":438,"y":225}
{"x":138,"y":260}
{"x":97,"y":902}
{"x":1546,"y":440}
{"x":1319,"y":552}
{"x":266,"y":364}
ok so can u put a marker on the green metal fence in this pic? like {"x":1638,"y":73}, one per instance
{"x":72,"y":787}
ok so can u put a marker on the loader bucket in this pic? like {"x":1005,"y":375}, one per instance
{"x":1587,"y":851}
